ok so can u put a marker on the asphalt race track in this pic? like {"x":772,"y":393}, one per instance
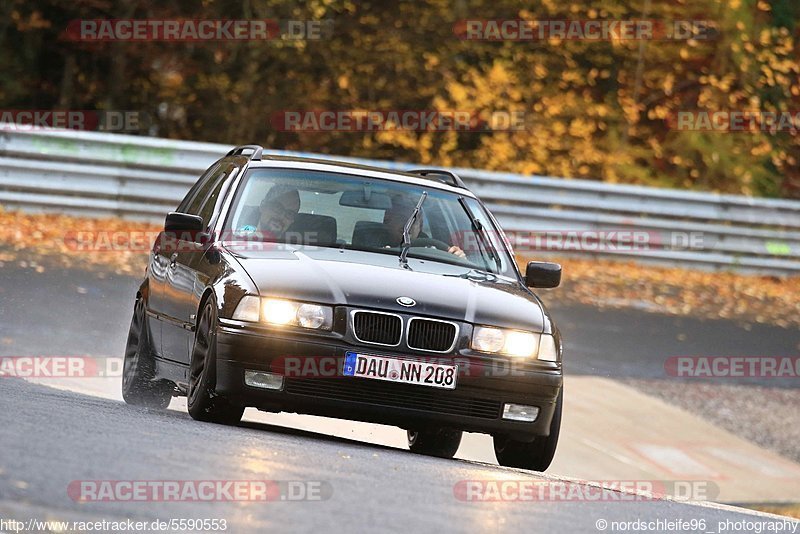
{"x":51,"y":438}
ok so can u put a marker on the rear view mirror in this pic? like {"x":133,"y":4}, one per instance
{"x":366,"y":199}
{"x":543,"y":274}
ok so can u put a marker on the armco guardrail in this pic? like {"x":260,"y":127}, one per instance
{"x":134,"y":177}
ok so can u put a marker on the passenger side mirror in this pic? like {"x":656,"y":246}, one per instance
{"x":543,"y":274}
{"x":185,"y":226}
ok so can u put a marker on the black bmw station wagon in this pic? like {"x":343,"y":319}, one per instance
{"x":348,"y":291}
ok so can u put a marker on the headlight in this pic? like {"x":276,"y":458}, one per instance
{"x":516,"y":343}
{"x":313,"y":316}
{"x":282,"y":312}
{"x":521,"y":344}
{"x":487,"y":339}
{"x":511,"y":342}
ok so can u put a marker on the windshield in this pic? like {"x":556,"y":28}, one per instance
{"x":324,"y":209}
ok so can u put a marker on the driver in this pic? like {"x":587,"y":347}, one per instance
{"x":276,"y":213}
{"x":278,"y":210}
{"x":395,"y":218}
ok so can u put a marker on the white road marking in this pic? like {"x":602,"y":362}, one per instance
{"x":610,"y":452}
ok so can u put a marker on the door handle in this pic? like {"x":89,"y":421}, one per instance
{"x":173,"y":259}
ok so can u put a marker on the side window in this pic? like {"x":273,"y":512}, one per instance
{"x":211,"y":186}
{"x":207,"y":208}
{"x":184,"y":205}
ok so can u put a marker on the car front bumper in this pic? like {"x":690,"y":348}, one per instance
{"x":313,"y":384}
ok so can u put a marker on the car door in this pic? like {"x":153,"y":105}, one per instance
{"x":160,"y":258}
{"x":156,"y":275}
{"x":182,"y":289}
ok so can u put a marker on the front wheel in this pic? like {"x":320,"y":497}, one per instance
{"x":439,"y":442}
{"x":536,"y":455}
{"x":203,"y":402}
{"x":138,"y":369}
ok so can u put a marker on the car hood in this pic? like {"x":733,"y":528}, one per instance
{"x":373,"y":280}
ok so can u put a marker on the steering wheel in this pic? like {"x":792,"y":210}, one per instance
{"x":428,"y":242}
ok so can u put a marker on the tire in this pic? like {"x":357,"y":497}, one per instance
{"x":203,"y":402}
{"x":439,"y":442}
{"x":536,"y":455}
{"x":138,"y":369}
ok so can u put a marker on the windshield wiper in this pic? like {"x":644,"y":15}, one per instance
{"x":407,"y":230}
{"x":475,"y":275}
{"x":481,"y":232}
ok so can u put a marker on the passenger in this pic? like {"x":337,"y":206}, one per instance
{"x":395,"y":218}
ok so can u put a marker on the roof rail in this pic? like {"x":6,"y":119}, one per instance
{"x":255,"y":149}
{"x":441,"y":175}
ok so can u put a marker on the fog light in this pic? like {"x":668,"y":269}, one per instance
{"x":520,"y":412}
{"x":260,"y":379}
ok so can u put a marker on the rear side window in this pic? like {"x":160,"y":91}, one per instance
{"x":203,"y":197}
{"x":206,"y":210}
{"x":199,"y":184}
{"x":210,"y":187}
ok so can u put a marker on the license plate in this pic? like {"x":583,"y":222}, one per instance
{"x":435,"y":375}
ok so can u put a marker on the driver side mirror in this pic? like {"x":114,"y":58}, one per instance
{"x":185,"y":227}
{"x":543,"y":274}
